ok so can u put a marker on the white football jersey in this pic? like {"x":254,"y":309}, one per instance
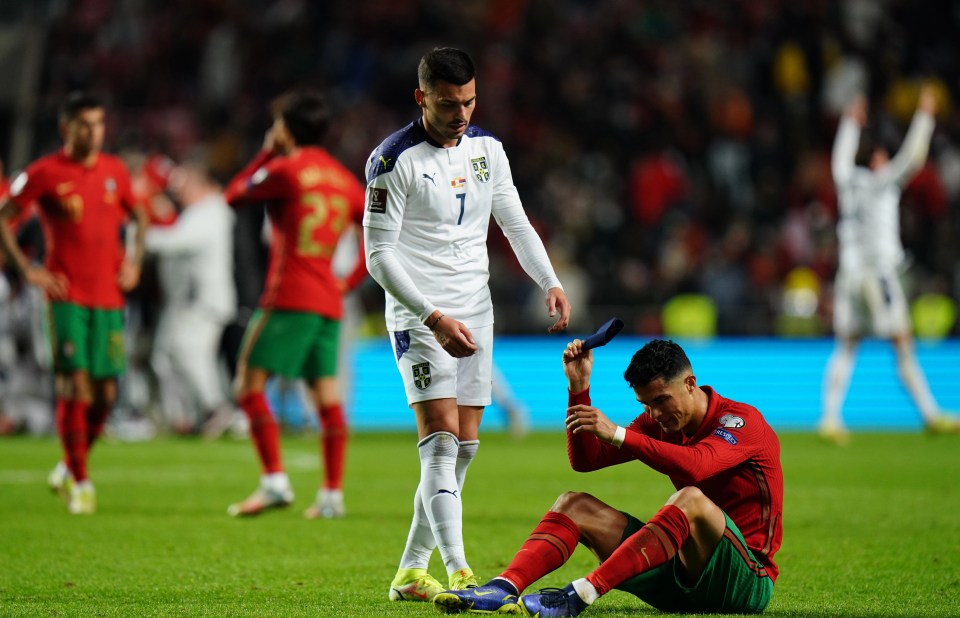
{"x":440,"y":201}
{"x":868,"y":229}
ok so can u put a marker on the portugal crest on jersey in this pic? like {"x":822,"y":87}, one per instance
{"x":421,"y":375}
{"x":480,"y":169}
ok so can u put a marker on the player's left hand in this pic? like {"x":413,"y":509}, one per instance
{"x":454,"y":337}
{"x":129,"y":275}
{"x":587,"y":418}
{"x":557,"y":303}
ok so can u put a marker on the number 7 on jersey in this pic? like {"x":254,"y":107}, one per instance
{"x":463,"y":200}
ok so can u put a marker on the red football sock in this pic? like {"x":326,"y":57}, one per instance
{"x":547,"y":548}
{"x":334,"y":445}
{"x":264,"y":431}
{"x":653,"y":545}
{"x":96,"y":420}
{"x":60,"y":418}
{"x":74,"y":438}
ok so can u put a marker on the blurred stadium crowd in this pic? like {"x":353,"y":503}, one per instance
{"x":673,"y":155}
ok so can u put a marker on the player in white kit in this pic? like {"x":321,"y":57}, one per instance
{"x":868,"y":295}
{"x":431,"y":188}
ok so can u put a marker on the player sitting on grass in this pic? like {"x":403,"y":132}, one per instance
{"x":709,"y":549}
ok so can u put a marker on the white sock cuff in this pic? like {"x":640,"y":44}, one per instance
{"x":468,"y":449}
{"x":585,"y":590}
{"x":275,"y":481}
{"x":439,"y":444}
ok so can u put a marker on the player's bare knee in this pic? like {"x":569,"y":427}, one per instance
{"x":240,"y":391}
{"x":700,"y":511}
{"x":574,"y":504}
{"x":691,"y":501}
{"x":563,"y":501}
{"x":105,"y":393}
{"x":80,"y":387}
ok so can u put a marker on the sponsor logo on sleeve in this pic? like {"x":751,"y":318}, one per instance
{"x":378,"y":200}
{"x":732,"y":422}
{"x":726,"y":435}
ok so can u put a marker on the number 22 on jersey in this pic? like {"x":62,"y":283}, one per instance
{"x":331,"y":211}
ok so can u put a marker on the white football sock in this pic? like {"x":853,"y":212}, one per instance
{"x":916,"y":384}
{"x":465,"y":454}
{"x":837,"y":381}
{"x":277,"y":482}
{"x":585,"y":590}
{"x":420,"y":541}
{"x":441,"y":496}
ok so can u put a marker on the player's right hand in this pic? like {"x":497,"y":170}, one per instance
{"x":577,"y":365}
{"x":557,"y":303}
{"x":928,"y":99}
{"x":54,"y":285}
{"x":454,"y":337}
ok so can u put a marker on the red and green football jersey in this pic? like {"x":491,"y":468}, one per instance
{"x":82,"y":211}
{"x":311,"y":200}
{"x":733,"y":458}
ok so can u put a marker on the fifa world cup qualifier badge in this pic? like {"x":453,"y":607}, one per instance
{"x":378,"y":200}
{"x":421,"y":375}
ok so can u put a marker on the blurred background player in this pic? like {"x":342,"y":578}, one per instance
{"x":431,"y":189}
{"x":26,"y":379}
{"x":868,"y":293}
{"x":85,"y":199}
{"x":195,"y":274}
{"x":311,"y":201}
{"x":709,"y":549}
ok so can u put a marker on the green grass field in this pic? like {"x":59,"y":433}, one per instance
{"x":869,"y":530}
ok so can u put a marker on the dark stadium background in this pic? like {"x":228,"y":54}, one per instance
{"x":673,"y":155}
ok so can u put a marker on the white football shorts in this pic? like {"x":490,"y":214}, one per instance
{"x":428,"y":372}
{"x":869,"y":302}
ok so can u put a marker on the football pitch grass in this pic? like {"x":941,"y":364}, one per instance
{"x":872,"y":529}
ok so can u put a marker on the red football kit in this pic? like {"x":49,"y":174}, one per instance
{"x":82,"y":211}
{"x":311,"y":198}
{"x":733,"y":458}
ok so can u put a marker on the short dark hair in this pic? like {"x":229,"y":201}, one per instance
{"x":659,"y":358}
{"x":77,"y":101}
{"x":306,"y":115}
{"x":445,"y":64}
